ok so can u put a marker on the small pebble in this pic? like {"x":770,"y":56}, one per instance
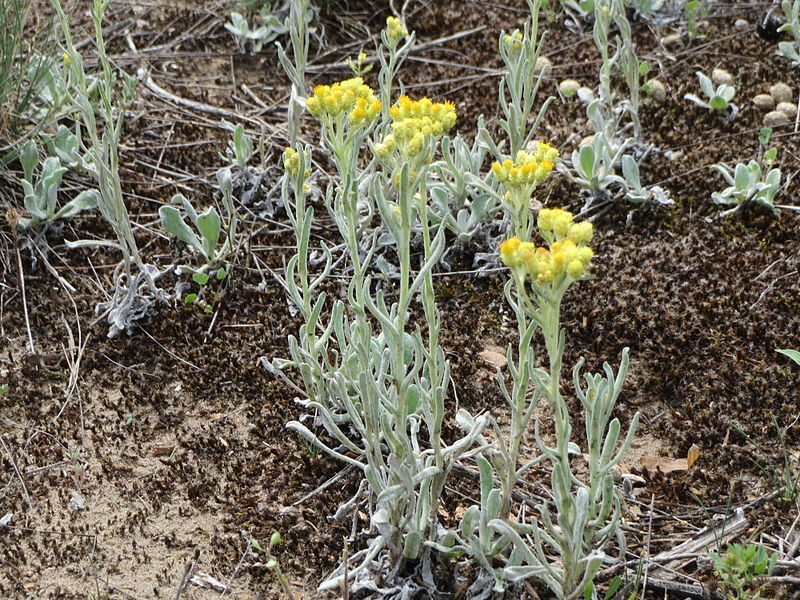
{"x":774,"y":118}
{"x":721,"y":77}
{"x":764,"y":102}
{"x":589,"y":140}
{"x":568,"y":88}
{"x":781,"y":92}
{"x":657,"y":90}
{"x":787,"y":108}
{"x":672,"y":40}
{"x":741,"y":24}
{"x":543,"y":65}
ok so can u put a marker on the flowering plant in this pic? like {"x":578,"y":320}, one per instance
{"x":377,"y":386}
{"x":587,"y":512}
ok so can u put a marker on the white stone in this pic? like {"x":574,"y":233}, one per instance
{"x":657,"y":91}
{"x":543,"y":65}
{"x":764,"y":102}
{"x":787,"y":108}
{"x":775,"y":118}
{"x":671,"y":41}
{"x":781,"y":92}
{"x":721,"y":77}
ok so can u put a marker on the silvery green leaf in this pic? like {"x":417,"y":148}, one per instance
{"x":241,"y":145}
{"x":412,"y":544}
{"x":465,"y":420}
{"x":187,"y":206}
{"x":52,"y":172}
{"x":587,"y":156}
{"x":789,"y":50}
{"x":630,"y":171}
{"x":172,"y":222}
{"x":412,"y":399}
{"x":470,"y":520}
{"x":238,"y":26}
{"x":393,"y":492}
{"x":209,"y":225}
{"x":728,"y":92}
{"x":706,"y":85}
{"x":725,"y":197}
{"x":29,"y":157}
{"x":65,"y":145}
{"x":485,"y":469}
{"x":741,"y":177}
{"x":87,"y":199}
{"x":610,"y":442}
{"x":695,"y":99}
{"x":773,"y":178}
{"x":586,"y":95}
{"x":32,"y":202}
{"x":493,"y":504}
{"x":725,"y":172}
{"x":225,"y":180}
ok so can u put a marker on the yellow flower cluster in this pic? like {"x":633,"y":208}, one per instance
{"x":528,"y":169}
{"x":513,"y":40}
{"x":412,"y":122}
{"x":395,"y":30}
{"x":567,"y":254}
{"x":291,"y":161}
{"x":350,"y":96}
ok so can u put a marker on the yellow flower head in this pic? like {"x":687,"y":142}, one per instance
{"x":581,"y":233}
{"x":513,"y":41}
{"x":527,"y":170}
{"x":351,"y":96}
{"x":291,"y":161}
{"x":555,"y":221}
{"x":567,"y":255}
{"x":395,"y":30}
{"x":508,"y":252}
{"x":414,"y":121}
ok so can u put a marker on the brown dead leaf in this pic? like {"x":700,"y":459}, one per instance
{"x":460,"y":510}
{"x":692,"y":455}
{"x":163,"y":450}
{"x":665,"y":464}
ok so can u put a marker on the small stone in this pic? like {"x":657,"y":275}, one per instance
{"x":774,"y":118}
{"x":589,"y":140}
{"x":671,"y":41}
{"x":741,"y":24}
{"x":764,"y":102}
{"x":568,"y":88}
{"x":721,"y":77}
{"x":787,"y":108}
{"x":543,"y":65}
{"x":781,"y":92}
{"x":656,"y":90}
